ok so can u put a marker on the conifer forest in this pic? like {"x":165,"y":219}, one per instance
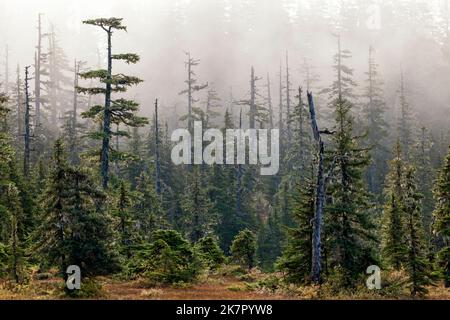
{"x":225,"y":149}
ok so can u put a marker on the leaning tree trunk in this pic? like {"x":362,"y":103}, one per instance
{"x":320,"y":198}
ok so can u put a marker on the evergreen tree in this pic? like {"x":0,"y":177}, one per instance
{"x":226,"y":192}
{"x":136,"y":164}
{"x":441,"y":217}
{"x":212,"y":104}
{"x":296,"y":261}
{"x":57,"y":89}
{"x":73,"y":129}
{"x":299,"y":154}
{"x":270,"y":237}
{"x":417,"y":264}
{"x":12,"y":232}
{"x":200,"y":218}
{"x":376,"y":126}
{"x":6,"y":151}
{"x":393,"y":246}
{"x":210,"y":252}
{"x":243,"y":249}
{"x":349,"y":226}
{"x":118,"y":111}
{"x":257,"y":112}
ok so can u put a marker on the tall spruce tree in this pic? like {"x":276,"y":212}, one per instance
{"x":270,"y":237}
{"x":405,"y":125}
{"x":425,"y":176}
{"x":243,"y":249}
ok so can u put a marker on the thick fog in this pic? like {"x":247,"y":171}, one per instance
{"x":230,"y":36}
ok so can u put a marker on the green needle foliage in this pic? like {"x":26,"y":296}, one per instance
{"x":243,"y":249}
{"x":417,"y":265}
{"x":441,"y":216}
{"x":74,"y":228}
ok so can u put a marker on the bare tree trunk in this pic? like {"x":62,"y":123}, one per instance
{"x":27,"y":134}
{"x":158,"y":164}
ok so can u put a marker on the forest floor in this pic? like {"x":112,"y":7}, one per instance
{"x":217,"y":287}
